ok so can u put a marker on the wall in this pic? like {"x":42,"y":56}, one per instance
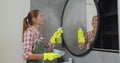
{"x":11,"y":16}
{"x":94,"y":57}
{"x":119,"y":24}
{"x":91,"y":11}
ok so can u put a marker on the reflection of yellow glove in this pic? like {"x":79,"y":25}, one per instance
{"x":51,"y":56}
{"x":81,"y":38}
{"x":56,"y":36}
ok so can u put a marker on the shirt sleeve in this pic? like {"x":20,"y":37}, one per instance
{"x":27,"y":43}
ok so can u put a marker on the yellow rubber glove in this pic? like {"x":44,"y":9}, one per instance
{"x":56,"y":36}
{"x":81,"y":38}
{"x":53,"y":38}
{"x":51,"y":56}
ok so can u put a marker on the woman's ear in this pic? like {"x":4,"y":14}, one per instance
{"x":33,"y":19}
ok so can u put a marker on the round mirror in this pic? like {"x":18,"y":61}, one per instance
{"x":79,"y":14}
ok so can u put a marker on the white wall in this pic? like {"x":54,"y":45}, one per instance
{"x":91,"y":11}
{"x":11,"y":16}
{"x":119,"y":25}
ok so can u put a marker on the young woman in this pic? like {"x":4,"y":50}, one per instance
{"x":32,"y":39}
{"x":90,"y":35}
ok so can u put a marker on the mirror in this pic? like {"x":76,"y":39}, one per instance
{"x":79,"y":14}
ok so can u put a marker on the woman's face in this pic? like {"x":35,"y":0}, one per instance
{"x":39,"y":19}
{"x":95,"y":22}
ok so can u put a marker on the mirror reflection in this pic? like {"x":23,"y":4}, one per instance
{"x":80,"y":25}
{"x":90,"y":35}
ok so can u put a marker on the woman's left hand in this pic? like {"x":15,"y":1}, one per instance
{"x":49,"y":46}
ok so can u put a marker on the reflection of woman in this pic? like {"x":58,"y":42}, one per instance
{"x":91,"y":34}
{"x":89,"y":37}
{"x":32,"y":40}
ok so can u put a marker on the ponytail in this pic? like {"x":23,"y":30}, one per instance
{"x":25,"y":26}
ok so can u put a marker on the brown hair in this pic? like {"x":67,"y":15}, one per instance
{"x":94,"y":17}
{"x":27,"y":21}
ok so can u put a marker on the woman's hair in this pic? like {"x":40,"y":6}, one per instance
{"x":28,"y":19}
{"x":94,"y":17}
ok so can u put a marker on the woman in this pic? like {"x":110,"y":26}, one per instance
{"x":91,"y":34}
{"x":32,"y":39}
{"x":89,"y":37}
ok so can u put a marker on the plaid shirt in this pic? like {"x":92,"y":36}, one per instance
{"x":31,"y":36}
{"x":90,"y":37}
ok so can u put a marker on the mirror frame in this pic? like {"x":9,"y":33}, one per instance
{"x":91,"y":46}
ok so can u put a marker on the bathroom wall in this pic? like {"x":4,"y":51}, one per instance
{"x":12,"y":13}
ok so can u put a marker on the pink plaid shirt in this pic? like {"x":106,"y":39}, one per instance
{"x":31,"y":36}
